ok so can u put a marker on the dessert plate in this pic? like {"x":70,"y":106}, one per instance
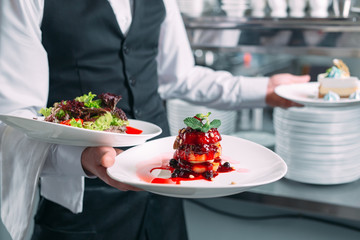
{"x":61,"y":134}
{"x":254,"y":165}
{"x":307,"y":94}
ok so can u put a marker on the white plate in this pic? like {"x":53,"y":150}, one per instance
{"x":255,"y":165}
{"x":319,"y":115}
{"x":62,"y":134}
{"x":307,"y":94}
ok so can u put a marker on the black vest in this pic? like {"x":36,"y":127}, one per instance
{"x":87,"y":52}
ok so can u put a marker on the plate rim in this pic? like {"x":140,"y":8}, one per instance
{"x":6,"y":118}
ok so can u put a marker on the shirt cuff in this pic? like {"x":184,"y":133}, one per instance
{"x":65,"y":191}
{"x":253,"y":91}
{"x":64,"y":160}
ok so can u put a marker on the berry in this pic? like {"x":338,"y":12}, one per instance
{"x":183,"y":174}
{"x":208,"y":175}
{"x":175,"y":173}
{"x":226,"y":165}
{"x":173,"y":163}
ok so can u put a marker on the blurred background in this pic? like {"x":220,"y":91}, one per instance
{"x":319,"y":197}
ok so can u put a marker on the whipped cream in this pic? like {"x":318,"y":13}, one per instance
{"x":355,"y":95}
{"x":331,"y":96}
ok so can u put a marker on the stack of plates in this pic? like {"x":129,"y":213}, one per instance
{"x":191,"y":8}
{"x":178,"y":110}
{"x":319,"y":145}
{"x":235,"y":8}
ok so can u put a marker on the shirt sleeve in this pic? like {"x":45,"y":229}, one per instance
{"x":24,"y":81}
{"x":179,"y":77}
{"x":24,"y":74}
{"x":23,"y":61}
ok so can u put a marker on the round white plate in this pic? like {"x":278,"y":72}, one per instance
{"x":307,"y":94}
{"x":255,"y":165}
{"x":67,"y":135}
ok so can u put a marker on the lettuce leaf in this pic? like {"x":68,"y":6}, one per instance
{"x":104,"y":122}
{"x":46,"y":111}
{"x":75,"y":123}
{"x":88,"y":101}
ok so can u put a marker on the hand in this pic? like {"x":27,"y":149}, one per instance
{"x":272,"y":99}
{"x":95,"y":160}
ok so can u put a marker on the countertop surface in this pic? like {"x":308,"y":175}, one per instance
{"x":341,"y":200}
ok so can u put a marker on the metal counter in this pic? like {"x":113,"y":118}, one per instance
{"x":339,"y":201}
{"x":298,"y":36}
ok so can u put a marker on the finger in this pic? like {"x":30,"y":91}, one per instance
{"x":102,"y":174}
{"x":302,"y":78}
{"x":287,"y":104}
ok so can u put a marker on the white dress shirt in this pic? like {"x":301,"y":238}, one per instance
{"x":24,"y":82}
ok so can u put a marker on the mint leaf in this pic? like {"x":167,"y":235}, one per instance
{"x":193,"y":123}
{"x":206,"y":127}
{"x":196,"y":124}
{"x":215,"y":123}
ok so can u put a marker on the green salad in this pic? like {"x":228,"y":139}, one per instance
{"x":89,"y":112}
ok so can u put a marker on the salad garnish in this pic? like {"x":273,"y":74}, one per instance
{"x":201,"y":122}
{"x":88,"y":112}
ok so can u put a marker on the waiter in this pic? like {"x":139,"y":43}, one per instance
{"x":53,"y":50}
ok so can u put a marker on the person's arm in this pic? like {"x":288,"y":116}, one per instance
{"x":23,"y":60}
{"x":24,"y":82}
{"x":24,"y":70}
{"x":179,"y":77}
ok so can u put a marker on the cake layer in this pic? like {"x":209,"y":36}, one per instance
{"x":342,"y":92}
{"x":344,"y":87}
{"x":190,"y":153}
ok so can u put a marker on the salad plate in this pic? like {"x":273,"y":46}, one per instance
{"x":50,"y":132}
{"x":254,"y":165}
{"x":307,"y":95}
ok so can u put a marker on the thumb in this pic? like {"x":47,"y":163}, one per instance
{"x":108,"y":159}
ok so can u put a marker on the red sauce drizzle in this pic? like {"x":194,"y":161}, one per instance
{"x":144,"y":171}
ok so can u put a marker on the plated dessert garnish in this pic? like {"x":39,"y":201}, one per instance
{"x":87,"y":112}
{"x":337,"y":82}
{"x":198,"y":150}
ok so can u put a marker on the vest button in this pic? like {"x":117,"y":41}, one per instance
{"x":132,"y":81}
{"x":137,"y":113}
{"x":126,"y":49}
